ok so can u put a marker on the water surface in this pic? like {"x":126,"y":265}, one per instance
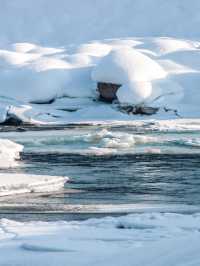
{"x":112,"y":170}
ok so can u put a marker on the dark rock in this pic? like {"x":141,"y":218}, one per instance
{"x":107,"y":91}
{"x":138,"y":110}
{"x":20,"y":129}
{"x":12,"y":121}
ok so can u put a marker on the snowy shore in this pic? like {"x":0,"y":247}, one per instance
{"x":157,"y":239}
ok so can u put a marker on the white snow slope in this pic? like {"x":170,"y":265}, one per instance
{"x":74,"y":21}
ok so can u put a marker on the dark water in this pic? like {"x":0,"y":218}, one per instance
{"x":149,"y":179}
{"x":124,"y":178}
{"x":128,"y":179}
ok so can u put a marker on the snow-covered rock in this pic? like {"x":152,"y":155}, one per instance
{"x":134,"y":92}
{"x":125,"y":65}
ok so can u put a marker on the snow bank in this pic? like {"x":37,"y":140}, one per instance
{"x":9,"y":152}
{"x":152,"y":71}
{"x":46,"y":59}
{"x":25,"y":183}
{"x":162,"y":237}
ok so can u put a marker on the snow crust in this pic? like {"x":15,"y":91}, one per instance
{"x":162,"y":237}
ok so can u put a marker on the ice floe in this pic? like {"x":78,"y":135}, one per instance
{"x":26,"y":183}
{"x":23,"y":183}
{"x":9,"y":153}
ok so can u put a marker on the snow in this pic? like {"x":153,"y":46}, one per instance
{"x":134,"y":92}
{"x":163,"y":237}
{"x":126,"y":65}
{"x":33,"y":73}
{"x":37,"y":22}
{"x":138,"y":44}
{"x":9,"y":152}
{"x":25,"y":183}
{"x":51,"y":57}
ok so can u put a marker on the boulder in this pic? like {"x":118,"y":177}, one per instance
{"x":107,"y":91}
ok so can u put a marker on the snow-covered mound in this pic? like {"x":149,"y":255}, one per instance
{"x":132,"y":69}
{"x":126,"y":65}
{"x":164,"y":238}
{"x":26,"y":183}
{"x":9,"y":152}
{"x":134,"y":92}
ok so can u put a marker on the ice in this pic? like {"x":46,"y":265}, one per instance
{"x":9,"y":153}
{"x":162,"y":237}
{"x":26,"y":183}
{"x":160,"y":137}
{"x":23,"y":183}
